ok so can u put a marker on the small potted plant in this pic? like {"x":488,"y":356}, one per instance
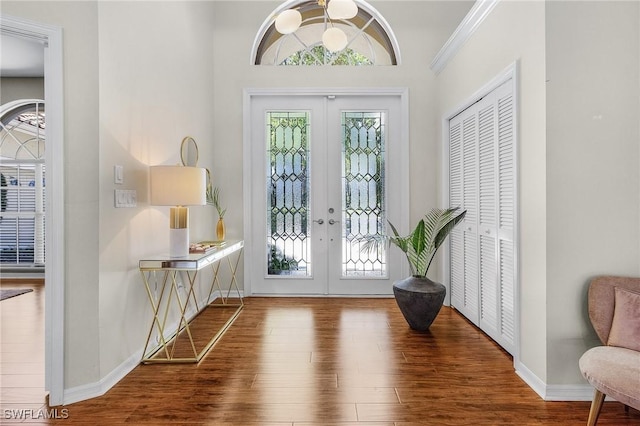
{"x":213,"y":198}
{"x":419,"y":298}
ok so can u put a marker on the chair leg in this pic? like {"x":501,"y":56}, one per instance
{"x":596,"y":405}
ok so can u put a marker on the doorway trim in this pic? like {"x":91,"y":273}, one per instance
{"x":251,"y":93}
{"x":51,"y":37}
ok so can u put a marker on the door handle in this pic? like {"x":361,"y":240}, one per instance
{"x":333,"y":222}
{"x":320,"y":221}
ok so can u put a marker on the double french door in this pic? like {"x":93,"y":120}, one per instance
{"x":325,"y":174}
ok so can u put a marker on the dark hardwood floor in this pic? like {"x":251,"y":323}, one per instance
{"x":304,"y":361}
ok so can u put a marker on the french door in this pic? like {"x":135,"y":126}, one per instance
{"x":326,"y":172}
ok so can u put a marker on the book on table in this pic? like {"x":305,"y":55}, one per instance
{"x":205,"y":247}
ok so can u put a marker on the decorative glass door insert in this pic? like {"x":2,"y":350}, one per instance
{"x":288,"y":242}
{"x":363,"y":192}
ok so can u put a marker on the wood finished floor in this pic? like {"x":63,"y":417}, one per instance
{"x":295,"y":362}
{"x":22,"y":347}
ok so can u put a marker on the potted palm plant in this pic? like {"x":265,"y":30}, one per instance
{"x":419,"y":298}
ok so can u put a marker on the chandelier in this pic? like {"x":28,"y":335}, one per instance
{"x":333,"y":38}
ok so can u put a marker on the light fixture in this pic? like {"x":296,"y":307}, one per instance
{"x":342,"y":9}
{"x":288,"y":21}
{"x":179,"y":187}
{"x":333,"y":38}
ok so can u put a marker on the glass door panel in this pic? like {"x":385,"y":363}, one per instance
{"x":365,"y":186}
{"x":287,"y":206}
{"x":363,"y":192}
{"x":324,"y":176}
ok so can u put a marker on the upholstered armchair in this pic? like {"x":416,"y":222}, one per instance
{"x":614,"y":369}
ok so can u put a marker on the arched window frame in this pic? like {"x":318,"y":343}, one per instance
{"x":267,"y":26}
{"x":22,"y":193}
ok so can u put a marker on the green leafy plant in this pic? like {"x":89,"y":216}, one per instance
{"x":213,"y":198}
{"x":279,"y":263}
{"x":421,"y":245}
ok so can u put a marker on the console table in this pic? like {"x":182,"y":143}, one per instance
{"x":161,"y":276}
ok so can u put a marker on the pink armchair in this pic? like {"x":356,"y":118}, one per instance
{"x":614,"y":369}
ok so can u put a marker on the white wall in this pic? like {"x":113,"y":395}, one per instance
{"x":79,"y":21}
{"x":592,"y":166}
{"x":156,"y":87}
{"x":514,"y":31}
{"x":14,"y":88}
{"x":579,"y":160}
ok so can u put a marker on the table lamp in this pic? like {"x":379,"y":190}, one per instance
{"x":178,"y":186}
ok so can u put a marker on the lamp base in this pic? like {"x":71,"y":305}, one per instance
{"x":179,"y":242}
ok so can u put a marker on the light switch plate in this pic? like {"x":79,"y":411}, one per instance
{"x":118,"y":174}
{"x":125,"y":198}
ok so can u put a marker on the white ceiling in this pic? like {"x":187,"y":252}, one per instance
{"x":20,"y":57}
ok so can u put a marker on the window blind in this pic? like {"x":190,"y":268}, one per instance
{"x":22,"y":220}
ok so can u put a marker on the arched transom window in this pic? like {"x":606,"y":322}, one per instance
{"x":370,"y":40}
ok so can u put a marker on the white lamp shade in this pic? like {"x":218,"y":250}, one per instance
{"x":342,"y":9}
{"x":334,"y":39}
{"x":288,"y":21}
{"x":178,"y":186}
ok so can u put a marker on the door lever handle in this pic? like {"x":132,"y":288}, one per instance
{"x":320,"y":221}
{"x":333,"y":222}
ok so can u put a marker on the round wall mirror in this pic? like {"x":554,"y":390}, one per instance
{"x":189,"y":152}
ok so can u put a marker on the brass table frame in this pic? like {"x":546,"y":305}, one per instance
{"x":169,"y":268}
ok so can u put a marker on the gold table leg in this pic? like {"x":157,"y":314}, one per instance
{"x":168,"y":345}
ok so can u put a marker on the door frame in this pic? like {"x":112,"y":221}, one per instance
{"x":251,"y":93}
{"x":51,"y":37}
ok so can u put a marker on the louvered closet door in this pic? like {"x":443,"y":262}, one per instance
{"x":456,"y":238}
{"x":463,"y":193}
{"x":487,"y":148}
{"x":482,"y":180}
{"x":506,"y":176}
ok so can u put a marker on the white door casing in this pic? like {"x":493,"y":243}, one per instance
{"x":51,"y":37}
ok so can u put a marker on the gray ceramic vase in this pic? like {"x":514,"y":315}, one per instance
{"x":419,"y":300}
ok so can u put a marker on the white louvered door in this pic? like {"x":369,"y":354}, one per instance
{"x":487,"y":213}
{"x":506,"y":176}
{"x":456,"y":238}
{"x":482,"y":181}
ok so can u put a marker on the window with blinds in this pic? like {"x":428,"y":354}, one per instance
{"x":22,"y":184}
{"x":22,"y":220}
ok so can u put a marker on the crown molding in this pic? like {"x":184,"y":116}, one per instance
{"x":476,"y":16}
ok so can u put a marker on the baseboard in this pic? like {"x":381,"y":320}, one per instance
{"x":569,"y":393}
{"x":531,"y":379}
{"x":94,"y":390}
{"x":553,"y":392}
